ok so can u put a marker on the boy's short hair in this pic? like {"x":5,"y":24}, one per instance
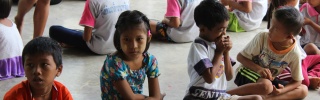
{"x":43,"y":45}
{"x":290,"y":18}
{"x":209,"y":13}
{"x":5,"y":6}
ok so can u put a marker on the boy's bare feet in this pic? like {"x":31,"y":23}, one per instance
{"x":19,"y":22}
{"x":314,"y":82}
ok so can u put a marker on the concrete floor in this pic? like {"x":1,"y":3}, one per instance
{"x":81,"y":70}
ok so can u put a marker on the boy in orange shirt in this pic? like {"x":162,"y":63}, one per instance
{"x":42,"y":60}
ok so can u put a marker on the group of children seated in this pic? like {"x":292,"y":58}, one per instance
{"x":273,"y":64}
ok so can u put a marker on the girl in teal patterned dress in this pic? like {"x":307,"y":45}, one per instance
{"x":123,"y":72}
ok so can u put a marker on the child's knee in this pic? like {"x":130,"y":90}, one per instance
{"x":311,"y":49}
{"x":266,"y":86}
{"x":303,"y":91}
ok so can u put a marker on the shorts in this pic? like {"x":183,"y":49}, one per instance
{"x":221,"y":97}
{"x":245,"y":76}
{"x":162,"y":34}
{"x":234,"y":25}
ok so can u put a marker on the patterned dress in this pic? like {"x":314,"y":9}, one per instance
{"x":114,"y":68}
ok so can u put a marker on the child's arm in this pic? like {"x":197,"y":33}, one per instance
{"x":263,"y":72}
{"x":126,"y":92}
{"x":154,"y":89}
{"x":87,"y":33}
{"x":227,"y":62}
{"x":210,"y":73}
{"x":314,"y":25}
{"x":172,"y":21}
{"x":289,"y":87}
{"x":245,"y":6}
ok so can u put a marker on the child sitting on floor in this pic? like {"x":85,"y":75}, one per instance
{"x":123,"y":72}
{"x":209,"y":64}
{"x":10,"y":45}
{"x":268,"y":54}
{"x":245,"y":15}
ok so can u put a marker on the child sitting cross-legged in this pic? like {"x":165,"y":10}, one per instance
{"x":268,"y":54}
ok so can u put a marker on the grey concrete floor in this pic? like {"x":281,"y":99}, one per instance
{"x":81,"y":70}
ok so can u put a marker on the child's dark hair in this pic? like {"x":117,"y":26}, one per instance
{"x":290,"y":18}
{"x":210,"y":13}
{"x":43,"y":45}
{"x":5,"y":6}
{"x":126,"y":21}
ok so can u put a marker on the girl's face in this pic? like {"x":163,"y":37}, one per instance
{"x":277,"y":31}
{"x":314,"y":3}
{"x":133,"y":42}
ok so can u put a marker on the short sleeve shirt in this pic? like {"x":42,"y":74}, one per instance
{"x":183,"y":9}
{"x":252,"y":20}
{"x":102,"y":16}
{"x":261,"y":51}
{"x":311,"y":36}
{"x":199,"y":59}
{"x":115,"y":68}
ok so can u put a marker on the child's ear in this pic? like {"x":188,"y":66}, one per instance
{"x":149,"y":38}
{"x":59,"y":70}
{"x":201,"y":29}
{"x":290,"y":36}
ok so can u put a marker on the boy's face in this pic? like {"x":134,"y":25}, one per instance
{"x":277,"y":31}
{"x":41,"y":70}
{"x":213,"y":34}
{"x":133,"y":42}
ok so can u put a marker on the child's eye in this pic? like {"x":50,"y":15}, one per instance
{"x":126,"y":39}
{"x":30,"y":65}
{"x":139,"y":39}
{"x":44,"y":65}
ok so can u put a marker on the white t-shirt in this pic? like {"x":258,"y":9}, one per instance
{"x":252,"y":20}
{"x":184,"y":9}
{"x":311,"y":36}
{"x":11,"y":44}
{"x":199,"y":59}
{"x":102,"y":16}
{"x":261,"y":51}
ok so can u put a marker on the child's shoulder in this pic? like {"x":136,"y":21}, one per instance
{"x":19,"y":90}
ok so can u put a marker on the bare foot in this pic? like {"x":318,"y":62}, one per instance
{"x":314,"y":82}
{"x":19,"y":23}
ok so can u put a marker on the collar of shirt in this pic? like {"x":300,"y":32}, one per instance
{"x":210,"y":44}
{"x":54,"y":91}
{"x":311,"y":11}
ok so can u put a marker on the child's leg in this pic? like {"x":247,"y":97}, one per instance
{"x":314,"y":71}
{"x":261,"y":87}
{"x":67,"y":36}
{"x":24,"y":6}
{"x":311,"y":49}
{"x":153,"y":26}
{"x":250,"y":97}
{"x":299,"y":93}
{"x":40,"y":17}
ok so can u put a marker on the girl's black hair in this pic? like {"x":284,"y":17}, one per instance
{"x":273,"y":6}
{"x":5,"y":7}
{"x":126,"y":21}
{"x":43,"y":45}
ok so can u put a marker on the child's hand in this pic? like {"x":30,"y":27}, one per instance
{"x":225,"y":2}
{"x":265,"y":73}
{"x":220,"y":44}
{"x":277,"y":91}
{"x":307,"y":21}
{"x":227,"y":43}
